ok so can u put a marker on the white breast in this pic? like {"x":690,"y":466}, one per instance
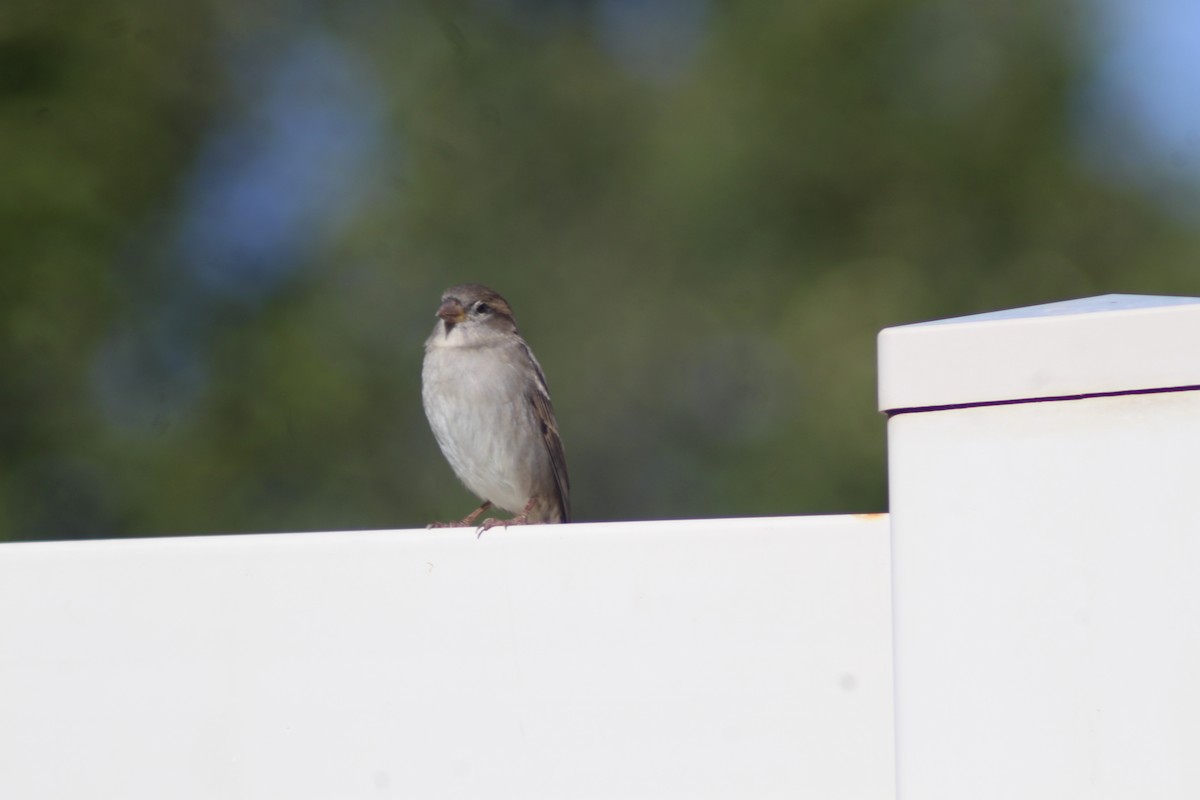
{"x":477,"y":404}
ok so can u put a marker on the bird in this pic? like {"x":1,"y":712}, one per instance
{"x":487,"y":403}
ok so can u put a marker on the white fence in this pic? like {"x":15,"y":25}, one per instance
{"x":1047,"y":554}
{"x":738,"y":658}
{"x":1046,"y":620}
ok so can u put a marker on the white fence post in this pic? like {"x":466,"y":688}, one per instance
{"x":1045,"y":507}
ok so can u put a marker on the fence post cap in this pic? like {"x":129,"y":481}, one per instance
{"x":1109,"y":344}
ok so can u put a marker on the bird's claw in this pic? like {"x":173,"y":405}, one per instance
{"x":466,"y":521}
{"x":489,"y":523}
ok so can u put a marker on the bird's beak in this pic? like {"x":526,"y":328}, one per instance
{"x":452,"y":311}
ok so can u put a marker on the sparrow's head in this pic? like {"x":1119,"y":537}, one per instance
{"x":474,"y":309}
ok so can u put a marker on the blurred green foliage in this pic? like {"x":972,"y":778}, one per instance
{"x":701,"y":220}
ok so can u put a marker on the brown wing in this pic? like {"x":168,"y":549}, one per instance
{"x":544,"y":411}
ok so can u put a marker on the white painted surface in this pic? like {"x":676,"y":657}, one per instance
{"x":1046,"y":592}
{"x":722,"y":658}
{"x":1112,"y":343}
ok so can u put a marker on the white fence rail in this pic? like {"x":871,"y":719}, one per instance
{"x":1045,"y":529}
{"x":720,"y":658}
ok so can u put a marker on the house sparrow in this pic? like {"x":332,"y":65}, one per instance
{"x":487,"y":402}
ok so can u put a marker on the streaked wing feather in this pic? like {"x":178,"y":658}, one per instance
{"x":544,"y":411}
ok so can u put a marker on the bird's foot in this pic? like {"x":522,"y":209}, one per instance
{"x":519,"y":519}
{"x":489,"y":523}
{"x":466,"y":521}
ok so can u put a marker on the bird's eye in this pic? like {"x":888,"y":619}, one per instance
{"x":482,"y":308}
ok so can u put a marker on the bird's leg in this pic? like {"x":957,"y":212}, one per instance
{"x":519,"y":519}
{"x":466,"y":521}
{"x":469,"y":519}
